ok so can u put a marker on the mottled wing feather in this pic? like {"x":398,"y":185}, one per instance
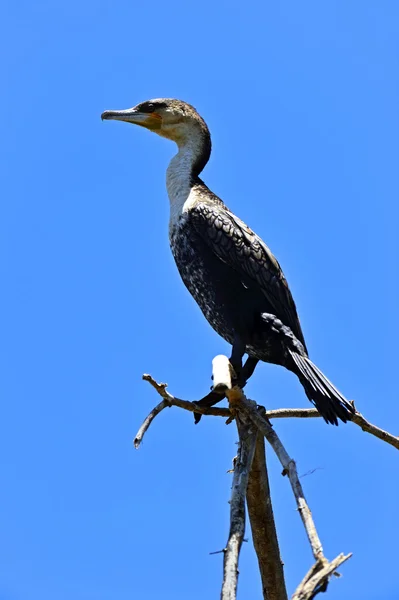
{"x":237,"y":245}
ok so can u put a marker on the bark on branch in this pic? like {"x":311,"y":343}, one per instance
{"x":263,"y":527}
{"x":246,"y":447}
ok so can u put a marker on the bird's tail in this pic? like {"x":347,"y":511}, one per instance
{"x":321,"y":392}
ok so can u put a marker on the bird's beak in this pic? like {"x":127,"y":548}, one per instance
{"x":132,"y":115}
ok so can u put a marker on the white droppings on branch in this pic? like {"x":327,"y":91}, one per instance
{"x":221,"y":373}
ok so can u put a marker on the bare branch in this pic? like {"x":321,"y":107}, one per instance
{"x":279,"y":413}
{"x":316,"y":580}
{"x":190,"y":406}
{"x":374,"y":430}
{"x":147,"y":422}
{"x":263,"y":527}
{"x":297,"y":413}
{"x":357,"y":418}
{"x":289,"y":468}
{"x":247,"y":439}
{"x":169,"y":400}
{"x":247,"y":413}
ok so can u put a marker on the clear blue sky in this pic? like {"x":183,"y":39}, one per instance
{"x":302,"y":102}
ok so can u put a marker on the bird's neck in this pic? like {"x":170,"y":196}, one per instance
{"x":181,"y":176}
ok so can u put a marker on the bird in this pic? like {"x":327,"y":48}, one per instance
{"x":227,"y":268}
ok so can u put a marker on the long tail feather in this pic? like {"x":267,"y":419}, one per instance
{"x":330,"y":403}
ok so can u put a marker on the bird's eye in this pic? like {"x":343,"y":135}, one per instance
{"x":148,"y":107}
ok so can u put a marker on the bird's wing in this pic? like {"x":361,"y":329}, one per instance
{"x":233,"y":242}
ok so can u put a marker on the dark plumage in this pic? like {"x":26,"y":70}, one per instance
{"x":228,"y":269}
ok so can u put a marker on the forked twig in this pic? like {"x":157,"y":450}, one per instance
{"x":168,"y":401}
{"x":317,"y":578}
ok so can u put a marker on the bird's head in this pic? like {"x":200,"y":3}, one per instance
{"x":169,"y":118}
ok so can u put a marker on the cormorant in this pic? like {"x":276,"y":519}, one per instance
{"x":227,"y":268}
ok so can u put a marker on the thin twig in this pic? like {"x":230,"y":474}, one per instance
{"x":316,"y":580}
{"x":297,"y":413}
{"x":357,"y":418}
{"x":169,"y":400}
{"x":148,"y":420}
{"x":263,"y":527}
{"x":376,"y":431}
{"x":246,"y":448}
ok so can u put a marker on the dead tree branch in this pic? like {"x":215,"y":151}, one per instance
{"x":247,"y":438}
{"x":357,"y":418}
{"x":264,"y":534}
{"x":322,"y":569}
{"x":168,"y":401}
{"x":252,"y":421}
{"x":279,"y":413}
{"x":316,"y":580}
{"x":376,"y":431}
{"x":289,"y":468}
{"x":148,"y":420}
{"x":298,"y":413}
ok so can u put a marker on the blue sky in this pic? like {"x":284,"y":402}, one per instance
{"x":301,"y":100}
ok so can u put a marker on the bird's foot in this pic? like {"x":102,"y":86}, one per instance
{"x":207,"y":401}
